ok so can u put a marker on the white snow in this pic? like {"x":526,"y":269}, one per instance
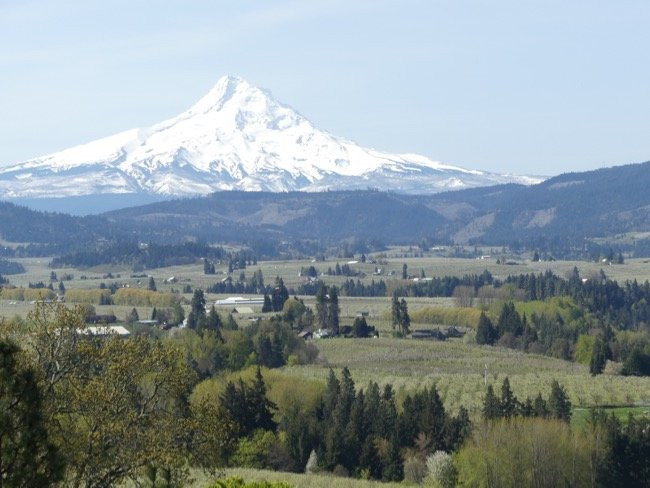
{"x":235,"y":137}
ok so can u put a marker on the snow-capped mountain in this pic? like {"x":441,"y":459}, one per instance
{"x":237,"y":137}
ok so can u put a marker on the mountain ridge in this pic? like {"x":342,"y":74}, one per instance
{"x":565,"y":215}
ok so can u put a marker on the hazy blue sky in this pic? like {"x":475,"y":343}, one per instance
{"x":511,"y":86}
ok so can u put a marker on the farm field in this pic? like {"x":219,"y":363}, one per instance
{"x":458,"y":371}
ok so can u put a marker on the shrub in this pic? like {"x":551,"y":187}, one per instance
{"x":526,"y":452}
{"x":442,"y":471}
{"x":415,"y":469}
{"x":240,"y":483}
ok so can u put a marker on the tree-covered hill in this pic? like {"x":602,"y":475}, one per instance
{"x":560,"y":215}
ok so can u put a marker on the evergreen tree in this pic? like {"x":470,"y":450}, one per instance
{"x":263,"y":407}
{"x":267,"y":307}
{"x":213,"y":323}
{"x":132,"y":316}
{"x":485,"y":331}
{"x":154,"y":314}
{"x":279,"y":295}
{"x":540,"y":407}
{"x":197,"y":305}
{"x":509,"y":321}
{"x":321,"y":307}
{"x":405,"y":323}
{"x":405,"y":273}
{"x":395,"y":312}
{"x":599,"y":354}
{"x":333,"y":310}
{"x":152,"y":284}
{"x":558,"y":403}
{"x":491,"y":405}
{"x":27,"y":457}
{"x":509,"y":405}
{"x":61,"y":288}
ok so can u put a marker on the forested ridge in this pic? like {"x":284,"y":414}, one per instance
{"x":560,"y":216}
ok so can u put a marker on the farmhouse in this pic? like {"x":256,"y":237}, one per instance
{"x":105,"y":331}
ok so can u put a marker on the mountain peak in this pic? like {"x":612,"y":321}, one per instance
{"x":236,"y":137}
{"x":225,"y":89}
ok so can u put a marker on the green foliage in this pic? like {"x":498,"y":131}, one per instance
{"x":485,"y":331}
{"x":584,"y":348}
{"x":327,"y":308}
{"x":26,"y":294}
{"x":637,"y":363}
{"x":144,"y":298}
{"x":558,"y":405}
{"x":255,"y":450}
{"x":599,"y":354}
{"x":27,"y":455}
{"x":240,"y":483}
{"x":279,"y":295}
{"x":99,"y":392}
{"x":95,"y":297}
{"x":622,"y":457}
{"x":524,"y":453}
{"x":400,"y":318}
{"x":463,"y":317}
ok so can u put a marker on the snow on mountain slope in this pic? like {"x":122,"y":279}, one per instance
{"x":236,"y":137}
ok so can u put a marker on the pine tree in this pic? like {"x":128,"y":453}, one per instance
{"x":599,"y":355}
{"x":509,"y":405}
{"x":491,"y":405}
{"x":213,"y":323}
{"x":27,"y":457}
{"x":405,"y":323}
{"x":333,"y":310}
{"x":132,"y":316}
{"x":197,"y":304}
{"x":485,"y":331}
{"x":152,"y":284}
{"x":395,"y":312}
{"x":558,"y":403}
{"x":267,"y":307}
{"x":322,"y":307}
{"x":405,"y":273}
{"x":262,"y":405}
{"x":279,"y":295}
{"x":540,"y":407}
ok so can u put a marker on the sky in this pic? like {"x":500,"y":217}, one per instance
{"x":530,"y":87}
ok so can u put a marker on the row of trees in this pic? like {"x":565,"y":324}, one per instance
{"x":557,"y":406}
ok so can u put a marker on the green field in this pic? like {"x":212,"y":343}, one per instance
{"x":456,"y":367}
